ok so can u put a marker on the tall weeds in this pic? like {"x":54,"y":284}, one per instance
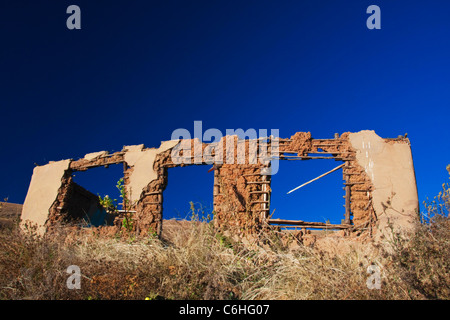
{"x":199,"y":263}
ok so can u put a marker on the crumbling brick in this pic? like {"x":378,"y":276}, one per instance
{"x":241,"y":188}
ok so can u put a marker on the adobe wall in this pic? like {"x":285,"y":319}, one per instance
{"x":373,"y":170}
{"x":42,"y":192}
{"x":389,"y":166}
{"x":235,"y":207}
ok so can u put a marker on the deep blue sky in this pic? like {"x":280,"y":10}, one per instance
{"x":137,"y":70}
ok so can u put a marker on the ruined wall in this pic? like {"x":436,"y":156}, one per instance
{"x":356,"y":181}
{"x":237,"y":191}
{"x":79,"y":206}
{"x":389,"y":165}
{"x":140,"y":162}
{"x":238,"y":204}
{"x":373,"y":170}
{"x":42,"y":193}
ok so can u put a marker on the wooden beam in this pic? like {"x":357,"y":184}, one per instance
{"x":347,"y":214}
{"x":252,"y":202}
{"x":283,"y":157}
{"x":310,"y":154}
{"x":258,"y":182}
{"x":308,"y":224}
{"x":152,"y":193}
{"x":319,"y":145}
{"x":83,"y":164}
{"x":329,"y":227}
{"x":321,"y":176}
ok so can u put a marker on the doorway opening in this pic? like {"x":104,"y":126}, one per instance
{"x":187,"y":199}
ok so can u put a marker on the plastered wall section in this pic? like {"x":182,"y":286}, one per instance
{"x":141,"y":161}
{"x":389,"y":165}
{"x":42,"y":193}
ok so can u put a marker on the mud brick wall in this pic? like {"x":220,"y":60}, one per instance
{"x":59,"y":211}
{"x":74,"y":204}
{"x":373,"y":169}
{"x":357,"y":183}
{"x":239,"y":204}
{"x":149,"y":209}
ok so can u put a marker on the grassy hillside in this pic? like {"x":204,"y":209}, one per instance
{"x":193,"y":261}
{"x":9,"y":214}
{"x":199,"y":263}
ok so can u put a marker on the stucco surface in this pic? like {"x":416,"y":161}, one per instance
{"x":42,"y":192}
{"x":142,"y":162}
{"x":94,"y":155}
{"x":389,"y":165}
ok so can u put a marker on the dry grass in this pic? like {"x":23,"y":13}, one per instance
{"x":198,"y":263}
